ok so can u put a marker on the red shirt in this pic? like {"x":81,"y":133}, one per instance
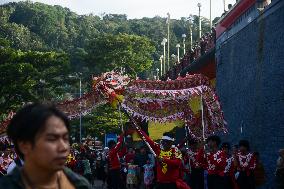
{"x":113,"y":157}
{"x":230,"y":171}
{"x":170,"y":169}
{"x":196,"y":159}
{"x":185,"y":164}
{"x":215,"y":163}
{"x":246,"y":162}
{"x":128,"y":157}
{"x":122,"y":152}
{"x":71,"y":164}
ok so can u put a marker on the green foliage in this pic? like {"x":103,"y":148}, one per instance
{"x":30,"y":76}
{"x":132,"y":52}
{"x":103,"y":119}
{"x":20,"y":37}
{"x":70,"y":43}
{"x":4,"y":43}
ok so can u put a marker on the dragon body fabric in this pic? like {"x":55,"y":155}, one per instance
{"x":158,"y":101}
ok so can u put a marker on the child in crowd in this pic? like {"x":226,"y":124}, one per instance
{"x":131,"y":178}
{"x":148,"y":174}
{"x":100,"y":170}
{"x":87,"y":173}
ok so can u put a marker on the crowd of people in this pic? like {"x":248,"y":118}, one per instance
{"x":38,"y":156}
{"x":122,"y":166}
{"x":205,"y":44}
{"x":217,"y":165}
{"x":181,"y":166}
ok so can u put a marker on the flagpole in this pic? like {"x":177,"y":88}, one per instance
{"x":120,"y":116}
{"x":168,"y":41}
{"x":187,"y":137}
{"x":202,"y":118}
{"x":203,"y":126}
{"x":210,"y":14}
{"x":143,"y":138}
{"x":139,"y":131}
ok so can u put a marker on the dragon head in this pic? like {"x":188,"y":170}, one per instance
{"x":111,"y":85}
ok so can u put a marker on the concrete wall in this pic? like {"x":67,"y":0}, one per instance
{"x":250,"y":84}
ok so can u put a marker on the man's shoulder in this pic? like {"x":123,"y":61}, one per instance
{"x":10,"y":182}
{"x":13,"y":181}
{"x":77,"y":180}
{"x":4,"y":182}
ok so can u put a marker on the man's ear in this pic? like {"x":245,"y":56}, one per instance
{"x":25,"y":147}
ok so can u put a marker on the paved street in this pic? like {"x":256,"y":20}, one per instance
{"x":98,"y":185}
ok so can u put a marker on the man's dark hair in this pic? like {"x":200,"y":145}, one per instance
{"x":111,"y":143}
{"x":29,"y":121}
{"x":256,"y":154}
{"x":226,"y":145}
{"x":214,"y":138}
{"x":192,"y":141}
{"x":244,"y":143}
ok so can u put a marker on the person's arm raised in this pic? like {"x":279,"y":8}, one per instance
{"x":119,"y":143}
{"x":145,"y":137}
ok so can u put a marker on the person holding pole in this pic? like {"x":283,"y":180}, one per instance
{"x":169,"y":161}
{"x":114,"y":163}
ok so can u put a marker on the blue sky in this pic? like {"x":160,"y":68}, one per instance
{"x":140,"y":8}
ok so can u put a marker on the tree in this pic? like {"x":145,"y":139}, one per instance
{"x":115,"y":17}
{"x":17,"y":84}
{"x":132,"y":52}
{"x":37,"y":26}
{"x":30,"y":76}
{"x":103,"y":119}
{"x":77,"y":43}
{"x":4,"y":43}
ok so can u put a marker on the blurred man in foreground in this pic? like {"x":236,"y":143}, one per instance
{"x":40,"y":134}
